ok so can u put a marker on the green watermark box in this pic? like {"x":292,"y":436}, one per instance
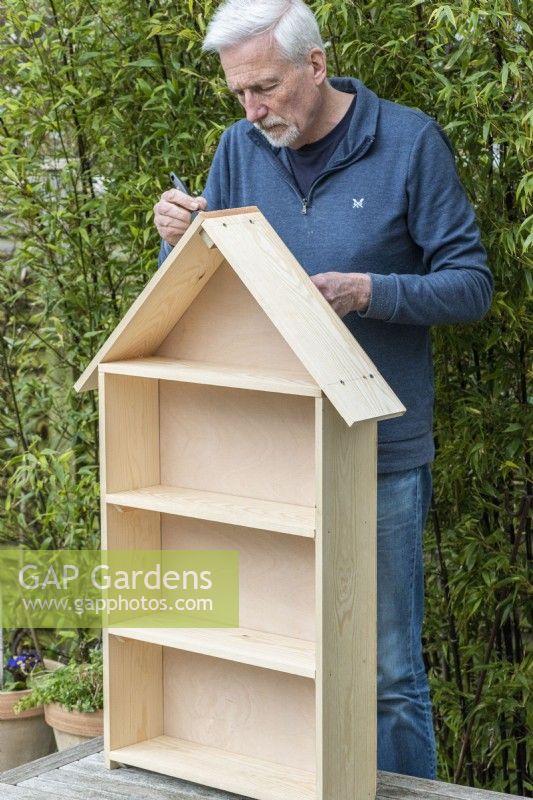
{"x":119,"y":588}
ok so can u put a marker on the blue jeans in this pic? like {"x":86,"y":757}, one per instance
{"x":406,"y":740}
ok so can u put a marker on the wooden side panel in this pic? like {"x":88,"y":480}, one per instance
{"x":255,"y":444}
{"x":133,"y":707}
{"x":346,"y":607}
{"x":276,"y":572}
{"x":131,"y":436}
{"x":244,"y":709}
{"x":104,"y":538}
{"x":133,"y":692}
{"x":103,"y":457}
{"x":225,"y":325}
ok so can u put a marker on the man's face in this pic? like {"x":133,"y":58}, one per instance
{"x":280,"y":98}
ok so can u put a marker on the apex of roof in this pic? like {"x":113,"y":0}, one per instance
{"x":281,"y":287}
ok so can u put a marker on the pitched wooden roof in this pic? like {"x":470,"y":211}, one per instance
{"x":282,"y":288}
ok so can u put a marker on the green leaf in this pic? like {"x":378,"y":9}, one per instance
{"x":145,"y":62}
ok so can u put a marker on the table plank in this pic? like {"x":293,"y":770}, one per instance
{"x":80,"y":772}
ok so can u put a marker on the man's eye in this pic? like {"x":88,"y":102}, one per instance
{"x":239,"y":93}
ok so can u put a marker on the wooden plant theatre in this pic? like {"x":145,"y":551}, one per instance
{"x":238,"y":412}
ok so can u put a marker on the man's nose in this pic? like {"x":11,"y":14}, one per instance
{"x":255,"y":109}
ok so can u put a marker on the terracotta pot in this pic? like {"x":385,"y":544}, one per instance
{"x":73,"y":727}
{"x":24,"y":736}
{"x":10,"y":699}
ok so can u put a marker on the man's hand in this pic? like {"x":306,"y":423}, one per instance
{"x":172,"y":214}
{"x":344,"y":291}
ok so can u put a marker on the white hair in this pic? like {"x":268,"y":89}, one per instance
{"x":291,"y":23}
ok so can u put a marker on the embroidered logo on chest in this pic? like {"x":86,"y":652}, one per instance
{"x":358,"y":203}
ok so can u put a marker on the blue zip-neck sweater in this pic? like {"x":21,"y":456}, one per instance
{"x":389,"y":203}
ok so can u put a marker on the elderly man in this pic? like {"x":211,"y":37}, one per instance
{"x":364,"y":192}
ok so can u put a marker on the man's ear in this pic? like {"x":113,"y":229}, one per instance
{"x":316,"y":59}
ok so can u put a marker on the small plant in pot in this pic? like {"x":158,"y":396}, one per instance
{"x":23,"y":736}
{"x":20,"y":668}
{"x":72,"y":697}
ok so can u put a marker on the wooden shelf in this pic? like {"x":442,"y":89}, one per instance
{"x":217,"y":507}
{"x":224,"y":770}
{"x":258,"y":648}
{"x":170,"y":369}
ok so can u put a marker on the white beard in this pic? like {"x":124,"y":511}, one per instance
{"x":283,"y":136}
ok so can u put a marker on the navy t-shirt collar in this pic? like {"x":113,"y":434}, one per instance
{"x":308,"y":161}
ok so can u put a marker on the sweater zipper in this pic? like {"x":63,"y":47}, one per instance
{"x":367,"y":141}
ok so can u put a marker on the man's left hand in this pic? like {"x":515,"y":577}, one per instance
{"x":344,"y":291}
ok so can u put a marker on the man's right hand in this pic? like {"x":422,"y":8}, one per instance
{"x":172,"y":214}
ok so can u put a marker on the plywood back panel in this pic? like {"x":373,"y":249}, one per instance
{"x":240,"y":708}
{"x":226,"y":326}
{"x":276,"y":572}
{"x":256,"y":444}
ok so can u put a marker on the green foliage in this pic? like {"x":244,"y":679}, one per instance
{"x":77,"y":687}
{"x":99,"y":102}
{"x":47,"y":505}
